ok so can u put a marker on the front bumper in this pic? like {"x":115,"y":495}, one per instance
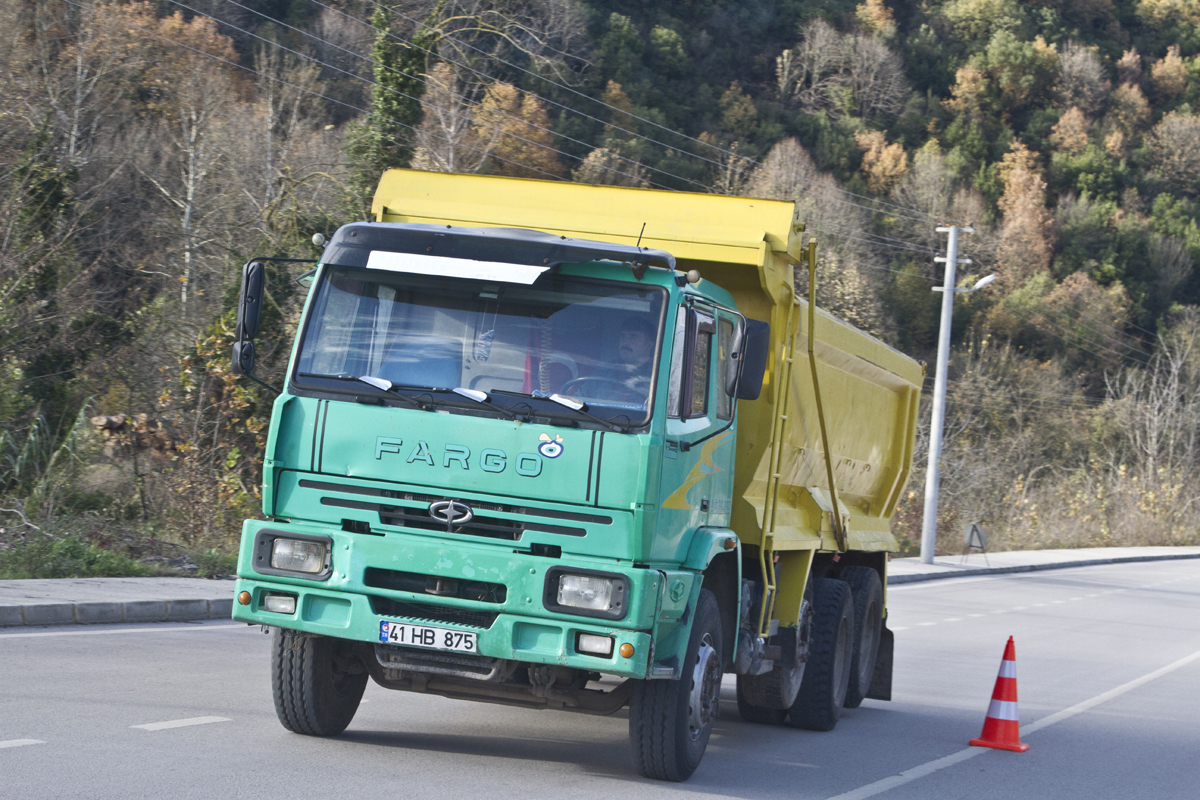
{"x":343,"y":606}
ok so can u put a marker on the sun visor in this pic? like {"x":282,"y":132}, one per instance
{"x":421,"y":264}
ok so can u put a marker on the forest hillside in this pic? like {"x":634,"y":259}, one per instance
{"x":149,"y":148}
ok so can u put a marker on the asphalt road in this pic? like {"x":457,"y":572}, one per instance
{"x":1108,"y":664}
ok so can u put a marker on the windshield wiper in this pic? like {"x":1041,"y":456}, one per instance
{"x":569,"y":404}
{"x":378,"y":383}
{"x":483,"y":399}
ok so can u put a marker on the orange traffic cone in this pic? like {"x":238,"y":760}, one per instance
{"x":1002,"y":728}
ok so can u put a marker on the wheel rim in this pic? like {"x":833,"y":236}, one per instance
{"x":705,"y":692}
{"x":841,"y":657}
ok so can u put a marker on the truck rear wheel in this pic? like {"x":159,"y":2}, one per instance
{"x":867,"y":592}
{"x":317,"y":682}
{"x":818,"y":707}
{"x":670,"y":721}
{"x":772,"y":690}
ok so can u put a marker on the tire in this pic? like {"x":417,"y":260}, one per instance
{"x":867,"y":592}
{"x":771,"y":691}
{"x":317,"y":682}
{"x":755,"y":713}
{"x":670,"y":721}
{"x":818,"y":707}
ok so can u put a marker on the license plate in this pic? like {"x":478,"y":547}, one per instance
{"x":427,"y":636}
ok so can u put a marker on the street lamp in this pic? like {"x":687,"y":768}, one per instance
{"x":937,"y":424}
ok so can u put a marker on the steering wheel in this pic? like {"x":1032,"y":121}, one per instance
{"x":575,"y":383}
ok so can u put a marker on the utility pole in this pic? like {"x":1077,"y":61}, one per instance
{"x":932,"y":474}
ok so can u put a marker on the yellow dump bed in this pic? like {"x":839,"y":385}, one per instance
{"x":750,"y":248}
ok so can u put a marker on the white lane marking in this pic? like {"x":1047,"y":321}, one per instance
{"x":1020,"y":608}
{"x":19,"y":742}
{"x":898,"y":629}
{"x":179,"y":723}
{"x":1057,"y":602}
{"x":1097,"y":594}
{"x":1039,"y":605}
{"x":930,"y":767}
{"x":926,"y":624}
{"x":975,"y":615}
{"x":953,"y":619}
{"x":149,"y":627}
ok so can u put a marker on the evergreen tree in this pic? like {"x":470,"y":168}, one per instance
{"x":385,"y":140}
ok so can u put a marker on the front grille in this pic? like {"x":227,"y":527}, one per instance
{"x":417,"y":583}
{"x":414,"y":513}
{"x":432,"y":612}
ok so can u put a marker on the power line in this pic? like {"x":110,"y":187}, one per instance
{"x":393,"y":91}
{"x":907,"y":245}
{"x":466,"y":101}
{"x":925,"y":217}
{"x":286,"y":83}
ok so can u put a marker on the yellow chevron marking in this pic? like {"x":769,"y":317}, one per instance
{"x":703,"y":468}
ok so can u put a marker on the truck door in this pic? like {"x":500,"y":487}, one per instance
{"x":697,"y":472}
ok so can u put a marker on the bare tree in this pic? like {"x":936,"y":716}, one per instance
{"x":193,"y":93}
{"x":848,"y":286}
{"x":1159,"y":406}
{"x":448,"y":139}
{"x":842,"y":73}
{"x":1082,"y":80}
{"x":876,"y":76}
{"x":477,"y":36}
{"x":1174,"y":147}
{"x":606,"y":167}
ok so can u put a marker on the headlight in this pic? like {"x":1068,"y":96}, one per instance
{"x":587,"y":593}
{"x":291,"y":554}
{"x":298,"y":555}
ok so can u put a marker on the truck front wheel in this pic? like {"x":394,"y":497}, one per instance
{"x":670,"y":721}
{"x":818,"y":707}
{"x":317,"y":682}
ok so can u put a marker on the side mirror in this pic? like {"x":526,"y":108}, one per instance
{"x":248,"y":317}
{"x":754,"y":350}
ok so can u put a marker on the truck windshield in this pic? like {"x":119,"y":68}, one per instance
{"x":596,"y":341}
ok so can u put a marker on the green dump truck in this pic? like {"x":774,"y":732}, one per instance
{"x":580,"y":448}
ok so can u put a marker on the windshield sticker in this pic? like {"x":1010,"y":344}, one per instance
{"x":550,"y":448}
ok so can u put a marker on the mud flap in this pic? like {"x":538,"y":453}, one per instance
{"x":881,"y":681}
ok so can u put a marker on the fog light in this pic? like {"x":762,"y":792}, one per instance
{"x":244,"y":598}
{"x":585,"y":591}
{"x":627,"y":650}
{"x":298,"y":555}
{"x":279,"y":603}
{"x":594,"y":645}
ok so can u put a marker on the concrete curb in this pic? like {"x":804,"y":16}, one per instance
{"x":98,"y":612}
{"x":896,"y":580}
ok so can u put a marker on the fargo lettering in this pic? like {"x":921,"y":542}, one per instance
{"x":459,"y":456}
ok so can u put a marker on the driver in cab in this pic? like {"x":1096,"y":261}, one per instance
{"x":627,"y":380}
